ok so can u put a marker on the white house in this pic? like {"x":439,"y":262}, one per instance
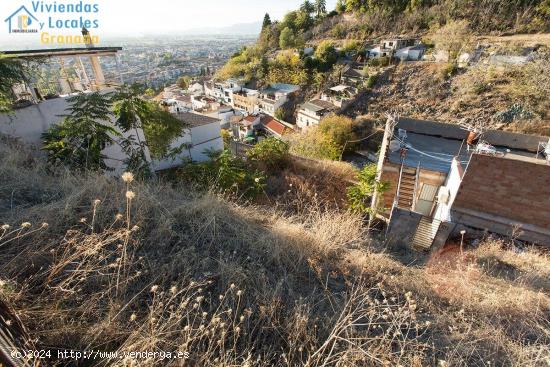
{"x":203,"y":103}
{"x":226,"y":115}
{"x":312,"y":112}
{"x":201,"y":135}
{"x":245,"y":128}
{"x":341,"y":95}
{"x":273,"y":97}
{"x":196,"y":89}
{"x":411,"y":53}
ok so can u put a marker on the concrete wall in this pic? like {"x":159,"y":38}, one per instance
{"x":402,"y":228}
{"x":198,"y":140}
{"x":30,"y":122}
{"x":499,"y":194}
{"x":452,"y":184}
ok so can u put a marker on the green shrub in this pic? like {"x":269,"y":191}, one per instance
{"x":269,"y":154}
{"x":449,"y":70}
{"x":359,"y":195}
{"x":224,"y":173}
{"x":371,"y":81}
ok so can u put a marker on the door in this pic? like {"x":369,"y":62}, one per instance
{"x":425,"y":203}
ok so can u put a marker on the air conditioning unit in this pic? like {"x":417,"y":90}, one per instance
{"x":443,"y":195}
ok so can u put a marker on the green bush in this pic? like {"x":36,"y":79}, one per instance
{"x":371,"y":81}
{"x":269,"y":154}
{"x":360,"y":194}
{"x":224,"y":173}
{"x":449,"y":70}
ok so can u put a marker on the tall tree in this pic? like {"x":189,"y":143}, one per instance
{"x":267,"y":21}
{"x":160,"y":127}
{"x":307,"y":7}
{"x":12,"y":71}
{"x":78,"y":141}
{"x":286,"y":40}
{"x":320,"y":8}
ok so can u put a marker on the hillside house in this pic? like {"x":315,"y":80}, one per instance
{"x":352,"y":77}
{"x":411,"y":53}
{"x":202,"y":134}
{"x":389,"y":47}
{"x":245,"y":129}
{"x":273,"y":127}
{"x":444,"y":178}
{"x":225,"y":114}
{"x":246,"y":101}
{"x":204,"y":103}
{"x":196,"y":88}
{"x":311,"y":113}
{"x":273,"y":97}
{"x":341,"y":95}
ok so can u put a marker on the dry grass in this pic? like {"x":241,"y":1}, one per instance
{"x":237,"y":285}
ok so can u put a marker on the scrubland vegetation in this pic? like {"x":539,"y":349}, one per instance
{"x":91,"y":262}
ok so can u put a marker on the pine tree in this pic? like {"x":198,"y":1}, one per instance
{"x":267,"y":21}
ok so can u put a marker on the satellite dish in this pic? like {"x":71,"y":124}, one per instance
{"x":395,"y":145}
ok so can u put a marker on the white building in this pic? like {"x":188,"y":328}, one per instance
{"x":311,"y":113}
{"x":27,"y":124}
{"x":411,"y":53}
{"x":273,"y":97}
{"x":196,"y":89}
{"x":201,"y":135}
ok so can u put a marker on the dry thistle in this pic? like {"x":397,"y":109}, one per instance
{"x":5,"y":227}
{"x":130,"y":195}
{"x":174,"y":289}
{"x":154,"y":288}
{"x":119,"y":216}
{"x":83,"y":220}
{"x":45,"y":225}
{"x":97,"y":202}
{"x":133,"y":317}
{"x":26,"y":225}
{"x":127,"y":177}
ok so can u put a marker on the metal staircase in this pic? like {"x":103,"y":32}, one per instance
{"x":425,"y":234}
{"x":406,"y":188}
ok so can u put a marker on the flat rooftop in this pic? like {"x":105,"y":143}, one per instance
{"x":433,"y":145}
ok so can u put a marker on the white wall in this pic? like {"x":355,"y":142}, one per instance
{"x":454,"y":179}
{"x":200,"y":139}
{"x":305,"y":119}
{"x":30,"y":122}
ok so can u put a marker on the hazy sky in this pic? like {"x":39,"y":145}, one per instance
{"x":126,"y":17}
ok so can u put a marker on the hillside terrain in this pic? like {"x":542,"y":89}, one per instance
{"x":503,"y":95}
{"x":96,"y":263}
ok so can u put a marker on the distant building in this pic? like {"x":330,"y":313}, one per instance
{"x":246,"y":101}
{"x":389,"y":47}
{"x":273,"y":127}
{"x":312,"y":112}
{"x":273,"y":97}
{"x":341,"y":95}
{"x":411,"y":53}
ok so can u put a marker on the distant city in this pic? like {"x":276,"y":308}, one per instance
{"x":159,"y":60}
{"x":155,"y":61}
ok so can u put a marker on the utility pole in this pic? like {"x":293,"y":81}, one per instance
{"x":391,"y":122}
